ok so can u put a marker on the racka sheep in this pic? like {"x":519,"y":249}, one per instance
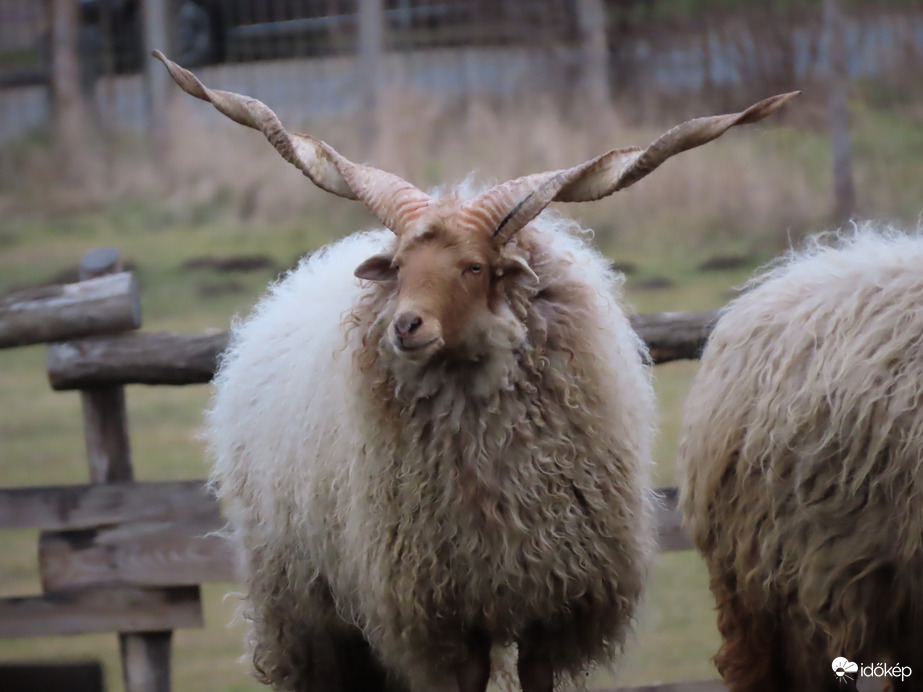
{"x":450,"y":453}
{"x":801,"y":453}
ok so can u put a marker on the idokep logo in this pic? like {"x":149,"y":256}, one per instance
{"x":843,"y":667}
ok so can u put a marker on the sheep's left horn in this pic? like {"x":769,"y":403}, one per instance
{"x":389,"y":197}
{"x":511,"y":205}
{"x":620,"y":168}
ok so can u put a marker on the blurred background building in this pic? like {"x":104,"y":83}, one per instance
{"x":319,"y":57}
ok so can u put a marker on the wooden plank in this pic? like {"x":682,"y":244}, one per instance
{"x":180,"y":552}
{"x":86,"y":506}
{"x":675,"y":335}
{"x":77,"y":676}
{"x":146,"y":661}
{"x":69,"y":103}
{"x":158,"y":24}
{"x":179,"y":359}
{"x":105,"y":433}
{"x":105,"y":418}
{"x":104,"y":305}
{"x":145,"y":651}
{"x":100,"y":261}
{"x":370,"y":51}
{"x":100,"y":610}
{"x":174,"y":553}
{"x":141,"y":358}
{"x":836,"y":38}
{"x":594,"y":54}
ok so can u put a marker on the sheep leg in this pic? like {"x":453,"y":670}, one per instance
{"x":535,"y":669}
{"x":358,"y":668}
{"x":752,"y":657}
{"x":909,"y":654}
{"x":474,"y":673}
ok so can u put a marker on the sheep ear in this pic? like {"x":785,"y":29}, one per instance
{"x":377,"y":268}
{"x":515,"y":265}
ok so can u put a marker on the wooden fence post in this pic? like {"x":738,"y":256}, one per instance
{"x":844,"y":189}
{"x":146,"y":661}
{"x":594,"y":52}
{"x":69,"y":109}
{"x":105,"y":421}
{"x":145,"y":655}
{"x":156,"y":21}
{"x":371,"y":50}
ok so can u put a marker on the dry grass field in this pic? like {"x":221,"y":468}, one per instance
{"x":748,"y":196}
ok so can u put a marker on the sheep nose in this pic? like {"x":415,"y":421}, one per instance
{"x":407,"y":323}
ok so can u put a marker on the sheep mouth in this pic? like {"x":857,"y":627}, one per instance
{"x":417,"y":349}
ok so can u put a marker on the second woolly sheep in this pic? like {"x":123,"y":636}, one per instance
{"x":801,"y":455}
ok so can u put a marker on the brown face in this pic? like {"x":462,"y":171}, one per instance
{"x":444,"y":275}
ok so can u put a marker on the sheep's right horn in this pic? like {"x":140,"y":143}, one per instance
{"x":392,"y":199}
{"x":509,"y":206}
{"x":620,"y":168}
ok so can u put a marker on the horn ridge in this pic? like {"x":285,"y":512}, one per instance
{"x":509,"y":206}
{"x":554,"y":177}
{"x":620,"y":168}
{"x":389,"y":197}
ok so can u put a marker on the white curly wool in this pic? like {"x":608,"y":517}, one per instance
{"x":506,"y":496}
{"x":802,"y":458}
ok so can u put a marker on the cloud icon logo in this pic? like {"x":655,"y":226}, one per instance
{"x":841,"y":666}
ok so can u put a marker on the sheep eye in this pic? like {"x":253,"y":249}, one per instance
{"x":475,"y":268}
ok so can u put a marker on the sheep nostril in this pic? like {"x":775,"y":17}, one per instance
{"x":407,"y":323}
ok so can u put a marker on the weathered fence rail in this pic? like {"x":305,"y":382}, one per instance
{"x":52,"y":313}
{"x":74,"y":676}
{"x":116,"y":555}
{"x":109,"y":609}
{"x":158,"y":534}
{"x":163,"y":553}
{"x":101,"y":504}
{"x":140,"y":358}
{"x":178,"y":359}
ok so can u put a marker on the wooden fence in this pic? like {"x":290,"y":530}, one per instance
{"x":127,"y":557}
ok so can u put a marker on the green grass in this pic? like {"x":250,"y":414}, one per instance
{"x":743,"y":195}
